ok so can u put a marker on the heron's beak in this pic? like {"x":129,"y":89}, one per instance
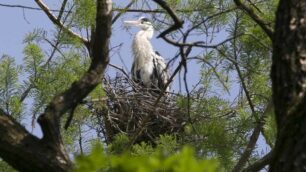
{"x":132,"y":23}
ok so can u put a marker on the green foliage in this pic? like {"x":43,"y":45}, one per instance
{"x":4,"y":167}
{"x":217,"y":130}
{"x":167,"y":144}
{"x":33,"y":59}
{"x":119,"y":144}
{"x":37,"y":35}
{"x":9,"y":86}
{"x":85,"y":13}
{"x":97,"y":160}
{"x":270,"y":128}
{"x":97,"y":93}
{"x":181,"y":161}
{"x":65,"y":71}
{"x":142,"y":149}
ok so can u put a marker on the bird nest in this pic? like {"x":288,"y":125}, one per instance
{"x":137,"y":112}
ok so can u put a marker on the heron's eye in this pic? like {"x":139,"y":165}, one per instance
{"x":145,"y":20}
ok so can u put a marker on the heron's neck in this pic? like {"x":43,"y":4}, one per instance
{"x":148,"y":33}
{"x":142,"y":47}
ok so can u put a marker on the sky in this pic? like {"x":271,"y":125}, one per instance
{"x":16,"y":23}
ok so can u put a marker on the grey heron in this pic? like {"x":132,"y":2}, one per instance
{"x":149,"y":68}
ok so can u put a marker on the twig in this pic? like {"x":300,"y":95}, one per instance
{"x":199,"y":44}
{"x":69,"y":119}
{"x":62,"y":9}
{"x":215,"y":72}
{"x":123,"y":11}
{"x":80,"y":140}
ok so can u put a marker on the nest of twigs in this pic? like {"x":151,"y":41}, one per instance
{"x":138,"y":112}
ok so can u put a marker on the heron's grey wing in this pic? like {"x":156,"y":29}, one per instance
{"x":135,"y":74}
{"x":160,"y":73}
{"x":157,"y":53}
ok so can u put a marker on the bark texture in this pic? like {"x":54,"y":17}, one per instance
{"x":289,"y":86}
{"x":26,"y":152}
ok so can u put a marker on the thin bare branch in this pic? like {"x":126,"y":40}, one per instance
{"x":59,"y":17}
{"x":123,"y":11}
{"x":199,"y":44}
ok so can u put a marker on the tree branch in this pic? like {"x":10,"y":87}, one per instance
{"x":58,"y":23}
{"x":178,"y":23}
{"x":255,"y":17}
{"x":260,"y":164}
{"x":123,"y":11}
{"x":59,"y":17}
{"x":249,"y":148}
{"x":24,"y":152}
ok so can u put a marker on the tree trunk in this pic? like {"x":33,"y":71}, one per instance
{"x":289,"y":86}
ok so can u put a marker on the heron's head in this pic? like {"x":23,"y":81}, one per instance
{"x":143,"y":23}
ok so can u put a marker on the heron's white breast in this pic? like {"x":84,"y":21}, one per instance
{"x":143,"y":59}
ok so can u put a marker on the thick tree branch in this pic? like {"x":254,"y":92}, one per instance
{"x":58,"y":23}
{"x":255,"y":17}
{"x":24,"y":152}
{"x":260,"y":164}
{"x":249,"y":148}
